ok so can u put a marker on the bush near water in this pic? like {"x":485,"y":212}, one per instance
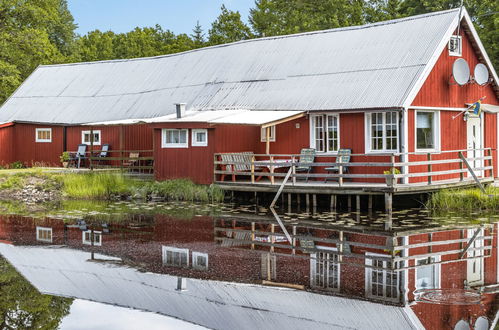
{"x":465,"y":199}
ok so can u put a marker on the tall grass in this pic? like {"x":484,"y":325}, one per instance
{"x":183,"y":190}
{"x":464,"y":200}
{"x":97,"y":185}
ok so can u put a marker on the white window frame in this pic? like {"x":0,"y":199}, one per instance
{"x":263,"y":134}
{"x":199,"y":144}
{"x":195,"y":256}
{"x":165,"y":249}
{"x":43,"y":130}
{"x":436,"y":129}
{"x":368,"y":282}
{"x":98,"y":132}
{"x":325,"y":129}
{"x":313,"y":268}
{"x":97,"y":234}
{"x":436,"y":267}
{"x":164,"y":131}
{"x":459,"y":52}
{"x":47,"y":229}
{"x":367,"y":125}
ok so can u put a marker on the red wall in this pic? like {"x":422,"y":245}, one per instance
{"x":6,"y":144}
{"x":30,"y":152}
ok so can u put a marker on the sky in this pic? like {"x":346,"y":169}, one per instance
{"x":179,"y":16}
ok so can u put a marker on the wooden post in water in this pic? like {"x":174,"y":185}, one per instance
{"x":289,"y":203}
{"x":333,"y":203}
{"x":307,"y":202}
{"x":370,"y":203}
{"x":388,"y":203}
{"x":349,"y":202}
{"x":314,"y":202}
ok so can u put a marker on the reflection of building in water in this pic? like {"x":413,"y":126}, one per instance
{"x":393,"y":267}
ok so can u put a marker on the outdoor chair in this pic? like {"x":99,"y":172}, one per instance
{"x":76,"y":158}
{"x":133,"y":160}
{"x":342,"y":158}
{"x":307,"y":156}
{"x":101,"y":155}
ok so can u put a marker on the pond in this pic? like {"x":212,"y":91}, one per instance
{"x":129,"y":265}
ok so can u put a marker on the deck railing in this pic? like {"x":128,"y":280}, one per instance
{"x":246,"y":167}
{"x":133,"y":161}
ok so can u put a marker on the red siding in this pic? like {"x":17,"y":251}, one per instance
{"x":30,"y":152}
{"x":6,"y":145}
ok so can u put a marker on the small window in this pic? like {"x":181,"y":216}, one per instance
{"x":427,"y":273}
{"x":455,"y":46}
{"x":269,"y":267}
{"x":87,"y":238}
{"x":325,"y":270}
{"x":44,"y":135}
{"x":263,"y":134}
{"x":175,"y":257}
{"x":44,"y":234}
{"x":382,"y":131}
{"x":200,"y":261}
{"x":426,"y":130}
{"x":382,"y":281}
{"x":325,"y":133}
{"x":86,"y":137}
{"x":199,"y":137}
{"x":174,"y":138}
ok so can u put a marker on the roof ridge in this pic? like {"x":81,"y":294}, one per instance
{"x":339,"y":29}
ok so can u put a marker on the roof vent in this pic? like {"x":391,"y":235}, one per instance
{"x":180,"y":109}
{"x":455,"y":46}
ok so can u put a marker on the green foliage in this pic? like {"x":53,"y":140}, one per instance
{"x":228,"y":27}
{"x":469,"y":200}
{"x":64,"y":157}
{"x":197,"y":36}
{"x":393,"y":170}
{"x":97,"y":185}
{"x":183,"y":190}
{"x":23,"y":307}
{"x":16,"y":165}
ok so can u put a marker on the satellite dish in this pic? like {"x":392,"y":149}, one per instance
{"x":461,"y":71}
{"x":481,"y":74}
{"x":482,"y":323}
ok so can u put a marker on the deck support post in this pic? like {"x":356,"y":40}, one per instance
{"x":294,"y":240}
{"x":388,"y":203}
{"x":370,"y":203}
{"x":358,"y":202}
{"x":333,"y":203}
{"x":272,"y":237}
{"x":314,"y":202}
{"x":307,"y":202}
{"x":252,"y":235}
{"x":91,"y":148}
{"x":289,"y":202}
{"x":349,"y":197}
{"x":298,"y":200}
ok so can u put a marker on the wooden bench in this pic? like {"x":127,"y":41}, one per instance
{"x":236,"y":162}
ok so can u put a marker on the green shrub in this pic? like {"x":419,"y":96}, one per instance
{"x":16,"y":165}
{"x":465,"y":200}
{"x":96,"y":185}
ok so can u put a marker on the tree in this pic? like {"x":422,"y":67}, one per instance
{"x":228,"y":27}
{"x":23,"y":307}
{"x":197,"y":36}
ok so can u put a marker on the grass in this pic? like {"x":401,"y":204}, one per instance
{"x":98,"y":185}
{"x":464,"y":200}
{"x":183,"y":190}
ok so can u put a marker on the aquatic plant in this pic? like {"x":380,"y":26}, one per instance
{"x":182,"y":190}
{"x":96,"y":185}
{"x":464,"y":199}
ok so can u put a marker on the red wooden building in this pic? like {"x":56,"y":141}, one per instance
{"x":387,"y":91}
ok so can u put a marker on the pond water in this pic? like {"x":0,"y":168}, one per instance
{"x":133,"y":265}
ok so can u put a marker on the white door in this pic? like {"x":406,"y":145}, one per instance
{"x":475,"y":261}
{"x":474,"y":138}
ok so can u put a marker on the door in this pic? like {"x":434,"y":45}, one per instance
{"x":475,"y":259}
{"x":474,"y":145}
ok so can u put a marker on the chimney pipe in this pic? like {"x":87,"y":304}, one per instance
{"x":180,"y":109}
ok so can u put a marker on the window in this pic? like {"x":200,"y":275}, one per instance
{"x":86,"y":138}
{"x":43,"y":135}
{"x":455,"y":46}
{"x":325,"y":271}
{"x":44,"y":234}
{"x":382,"y":131}
{"x":427,"y":273}
{"x":199,"y":137}
{"x":427,"y":130}
{"x":200,"y":261}
{"x":174,"y":138}
{"x":263,"y":134}
{"x":325,"y":135}
{"x":175,"y":257}
{"x":381,"y":280}
{"x":269,"y":267}
{"x":87,"y":238}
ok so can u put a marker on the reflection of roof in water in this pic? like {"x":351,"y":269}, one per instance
{"x":214,"y":304}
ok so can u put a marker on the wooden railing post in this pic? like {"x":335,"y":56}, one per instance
{"x":340,"y":173}
{"x":91,"y":148}
{"x":392,"y":170}
{"x":252,"y":169}
{"x":215,"y":166}
{"x":461,"y":167}
{"x":271,"y":169}
{"x":293,"y":166}
{"x":429,"y":167}
{"x":491,"y":163}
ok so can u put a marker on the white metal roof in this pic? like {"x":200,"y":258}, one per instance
{"x":213,"y":304}
{"x":380,"y":65}
{"x":247,"y":117}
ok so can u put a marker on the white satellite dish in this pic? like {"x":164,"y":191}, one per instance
{"x":481,"y":74}
{"x":461,"y":71}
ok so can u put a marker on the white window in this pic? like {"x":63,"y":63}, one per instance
{"x":263,"y":134}
{"x":86,"y":137}
{"x":455,"y":46}
{"x":175,"y":257}
{"x":325,"y":133}
{"x":43,"y":135}
{"x":382,"y":133}
{"x":87,"y":238}
{"x":381,"y":280}
{"x":427,"y":131}
{"x":325,"y":270}
{"x":44,"y":234}
{"x":428,"y":273}
{"x":199,"y":137}
{"x":200,"y":260}
{"x":175,"y":138}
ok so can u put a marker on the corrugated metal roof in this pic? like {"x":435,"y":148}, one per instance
{"x":213,"y":304}
{"x":370,"y":66}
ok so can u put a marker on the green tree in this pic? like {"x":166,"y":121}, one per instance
{"x":23,"y":307}
{"x":228,"y":27}
{"x":94,"y":46}
{"x":197,"y":36}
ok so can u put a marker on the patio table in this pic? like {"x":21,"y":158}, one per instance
{"x":276,"y":164}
